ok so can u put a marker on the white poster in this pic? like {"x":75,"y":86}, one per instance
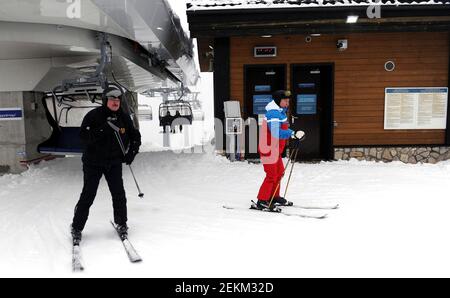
{"x":416,"y":108}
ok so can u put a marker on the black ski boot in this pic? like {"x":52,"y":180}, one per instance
{"x":266,"y":206}
{"x":123,"y":231}
{"x":280,"y":201}
{"x":76,"y":235}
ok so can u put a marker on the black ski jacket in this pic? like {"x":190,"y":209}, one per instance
{"x":101,"y":144}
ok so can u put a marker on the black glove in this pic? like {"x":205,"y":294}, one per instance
{"x":129,"y":158}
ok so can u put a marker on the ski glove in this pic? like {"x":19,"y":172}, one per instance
{"x":129,"y":158}
{"x":298,"y":135}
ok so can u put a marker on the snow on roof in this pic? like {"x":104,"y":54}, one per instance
{"x":258,"y":4}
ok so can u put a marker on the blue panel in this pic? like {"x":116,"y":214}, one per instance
{"x":65,"y":141}
{"x":260,"y":102}
{"x":263,"y":88}
{"x":307,"y":85}
{"x":307,"y":104}
{"x":11,"y":114}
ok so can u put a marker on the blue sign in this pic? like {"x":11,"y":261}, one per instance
{"x":11,"y":114}
{"x":307,"y":104}
{"x":263,"y":88}
{"x":307,"y":85}
{"x":260,"y":102}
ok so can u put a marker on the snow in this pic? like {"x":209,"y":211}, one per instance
{"x":253,"y":4}
{"x":393,"y":221}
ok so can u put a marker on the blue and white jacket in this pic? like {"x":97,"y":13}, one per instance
{"x":276,"y":128}
{"x":277,"y":121}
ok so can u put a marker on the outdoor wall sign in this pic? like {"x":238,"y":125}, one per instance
{"x":9,"y":114}
{"x":265,"y":52}
{"x":415,"y":108}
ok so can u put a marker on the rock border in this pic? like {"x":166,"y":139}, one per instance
{"x":409,"y":155}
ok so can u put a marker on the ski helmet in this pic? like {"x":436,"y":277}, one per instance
{"x":280,"y":95}
{"x":111,"y":92}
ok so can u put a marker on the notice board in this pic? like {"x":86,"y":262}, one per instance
{"x":415,"y":108}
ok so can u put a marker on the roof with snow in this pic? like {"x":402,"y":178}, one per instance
{"x":261,"y":4}
{"x":224,"y":18}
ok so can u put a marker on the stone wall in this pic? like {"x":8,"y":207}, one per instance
{"x":410,"y":155}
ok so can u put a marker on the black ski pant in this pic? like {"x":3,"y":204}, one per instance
{"x":92,"y":176}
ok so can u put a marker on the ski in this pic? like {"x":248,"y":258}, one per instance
{"x":334,"y":207}
{"x":131,"y":252}
{"x":77,"y":262}
{"x":280,"y":211}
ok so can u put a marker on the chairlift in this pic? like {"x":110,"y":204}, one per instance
{"x":179,"y":111}
{"x":68,"y":109}
{"x":196,"y":105}
{"x":145,"y":113}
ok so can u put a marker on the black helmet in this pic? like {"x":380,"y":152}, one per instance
{"x":111,"y":92}
{"x":281,"y":94}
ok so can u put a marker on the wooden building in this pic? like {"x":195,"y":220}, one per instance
{"x":369,"y":80}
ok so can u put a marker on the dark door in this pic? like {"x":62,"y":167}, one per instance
{"x":312,"y":109}
{"x":260,"y":82}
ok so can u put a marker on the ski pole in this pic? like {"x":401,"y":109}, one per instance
{"x":141,"y":195}
{"x":290,"y":174}
{"x":284,"y":172}
{"x":119,"y":140}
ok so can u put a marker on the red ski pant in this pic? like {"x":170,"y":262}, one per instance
{"x":274,"y":174}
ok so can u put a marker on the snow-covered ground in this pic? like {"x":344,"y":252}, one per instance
{"x":394,"y":218}
{"x":394,"y":221}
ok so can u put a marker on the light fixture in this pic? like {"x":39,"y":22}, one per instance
{"x":389,"y":66}
{"x":352,"y":19}
{"x":316,"y":35}
{"x":266,"y":36}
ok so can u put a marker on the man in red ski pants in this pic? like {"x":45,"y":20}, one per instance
{"x":274,"y":135}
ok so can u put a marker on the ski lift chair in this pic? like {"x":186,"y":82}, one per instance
{"x":145,"y":113}
{"x":65,"y":139}
{"x":178,"y":111}
{"x":185,"y":111}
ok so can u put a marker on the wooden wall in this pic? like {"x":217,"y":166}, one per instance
{"x":360,"y":78}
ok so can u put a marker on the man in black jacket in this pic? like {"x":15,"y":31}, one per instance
{"x":103,"y":155}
